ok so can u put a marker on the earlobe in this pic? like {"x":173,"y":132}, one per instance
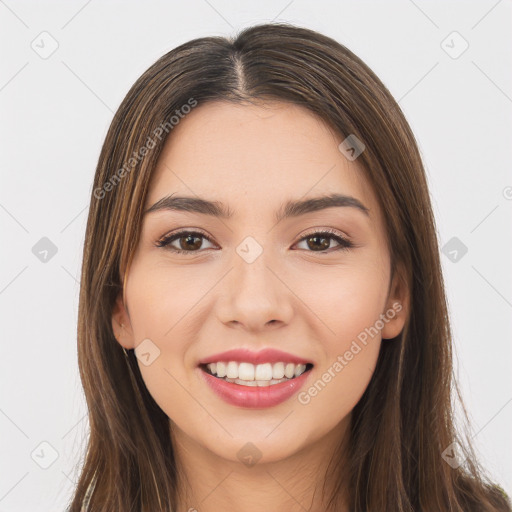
{"x":121,"y":326}
{"x":397,"y":309}
{"x":395,"y":317}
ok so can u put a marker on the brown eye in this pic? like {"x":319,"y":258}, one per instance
{"x":191,"y":242}
{"x":188,"y":241}
{"x":320,"y":241}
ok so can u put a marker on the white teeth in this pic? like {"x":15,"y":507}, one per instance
{"x":232,"y":370}
{"x":300,"y":369}
{"x":221,"y":369}
{"x":245,"y":371}
{"x":256,"y":375}
{"x":289,"y":371}
{"x":278,"y":371}
{"x":258,"y":383}
{"x":250,"y":383}
{"x":263,"y":372}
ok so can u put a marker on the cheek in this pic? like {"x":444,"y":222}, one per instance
{"x":349,"y":302}
{"x":337,"y":387}
{"x":159,"y":302}
{"x":346,"y":300}
{"x":349,"y":353}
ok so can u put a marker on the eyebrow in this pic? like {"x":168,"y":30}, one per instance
{"x":292,"y":208}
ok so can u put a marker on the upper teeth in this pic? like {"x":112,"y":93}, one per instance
{"x":248,"y":371}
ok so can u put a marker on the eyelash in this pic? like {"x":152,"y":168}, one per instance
{"x":165,"y":241}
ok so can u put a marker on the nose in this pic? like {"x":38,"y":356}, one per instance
{"x":255,"y":296}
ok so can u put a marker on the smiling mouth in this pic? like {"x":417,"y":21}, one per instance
{"x":261,"y":375}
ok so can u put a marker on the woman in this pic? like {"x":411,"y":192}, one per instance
{"x":262,"y":318}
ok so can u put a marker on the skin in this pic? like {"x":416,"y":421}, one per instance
{"x":253,"y":159}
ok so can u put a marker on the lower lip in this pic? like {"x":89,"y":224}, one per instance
{"x":254,"y":397}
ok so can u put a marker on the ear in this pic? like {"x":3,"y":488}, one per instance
{"x":397,"y":306}
{"x":121,"y":324}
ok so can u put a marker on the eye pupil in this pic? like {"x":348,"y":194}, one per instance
{"x":324,"y":245}
{"x":197,"y":245}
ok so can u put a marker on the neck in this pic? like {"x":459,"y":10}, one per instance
{"x":303,"y":481}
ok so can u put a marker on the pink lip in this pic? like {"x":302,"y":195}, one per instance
{"x":268,"y":355}
{"x":254,"y":397}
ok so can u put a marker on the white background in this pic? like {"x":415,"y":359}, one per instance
{"x":55,"y":113}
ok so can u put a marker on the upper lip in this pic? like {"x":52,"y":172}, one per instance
{"x":267,"y":355}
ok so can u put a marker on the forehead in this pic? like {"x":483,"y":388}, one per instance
{"x":259,"y":155}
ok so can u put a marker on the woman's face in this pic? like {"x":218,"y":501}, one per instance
{"x":247,"y":281}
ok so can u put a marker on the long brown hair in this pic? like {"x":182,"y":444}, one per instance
{"x":404,"y":421}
